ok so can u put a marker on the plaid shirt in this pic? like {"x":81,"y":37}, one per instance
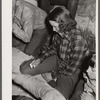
{"x":70,"y":51}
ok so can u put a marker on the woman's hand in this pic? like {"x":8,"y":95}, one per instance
{"x":25,"y":66}
{"x":47,"y":76}
{"x":34,"y":63}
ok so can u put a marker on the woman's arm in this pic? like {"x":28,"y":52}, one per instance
{"x":24,"y":33}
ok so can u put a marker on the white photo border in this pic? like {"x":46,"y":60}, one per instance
{"x":7,"y":50}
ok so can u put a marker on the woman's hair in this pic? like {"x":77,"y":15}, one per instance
{"x":62,"y":16}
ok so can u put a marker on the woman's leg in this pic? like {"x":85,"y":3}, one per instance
{"x":78,"y":90}
{"x":47,"y":65}
{"x":15,"y":41}
{"x":37,"y":41}
{"x":66,"y":84}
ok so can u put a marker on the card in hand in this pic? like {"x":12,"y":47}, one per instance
{"x":32,"y":64}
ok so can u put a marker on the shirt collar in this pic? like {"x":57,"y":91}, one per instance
{"x":68,"y":35}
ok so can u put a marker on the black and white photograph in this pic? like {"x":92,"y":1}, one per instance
{"x":53,"y":50}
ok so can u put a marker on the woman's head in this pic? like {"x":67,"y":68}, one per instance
{"x":91,"y":71}
{"x":61,"y":17}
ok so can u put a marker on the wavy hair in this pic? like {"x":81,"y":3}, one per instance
{"x":61,"y":15}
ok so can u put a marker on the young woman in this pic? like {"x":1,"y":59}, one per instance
{"x":64,"y":56}
{"x":89,"y":92}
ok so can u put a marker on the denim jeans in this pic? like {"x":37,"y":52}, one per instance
{"x":37,"y":41}
{"x":65,"y":83}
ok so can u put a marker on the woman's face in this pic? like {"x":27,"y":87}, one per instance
{"x":55,"y":26}
{"x":91,"y":71}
